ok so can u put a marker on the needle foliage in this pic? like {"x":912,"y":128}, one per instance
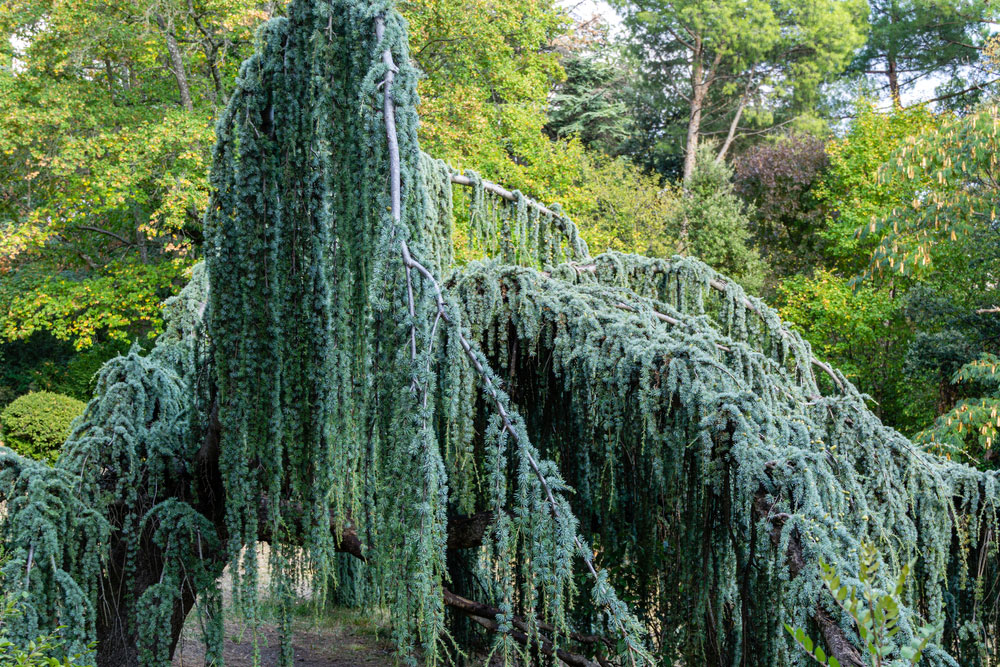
{"x":637,"y":430}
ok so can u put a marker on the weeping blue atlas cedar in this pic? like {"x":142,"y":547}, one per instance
{"x":331,"y":382}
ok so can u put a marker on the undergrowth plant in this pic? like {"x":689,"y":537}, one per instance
{"x":875,"y":615}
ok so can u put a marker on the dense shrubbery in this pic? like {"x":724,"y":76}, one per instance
{"x":37,"y":424}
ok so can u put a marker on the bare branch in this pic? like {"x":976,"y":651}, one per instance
{"x":106,"y":232}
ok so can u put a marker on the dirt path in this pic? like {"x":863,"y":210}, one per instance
{"x":338,"y":641}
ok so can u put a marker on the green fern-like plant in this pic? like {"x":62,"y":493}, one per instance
{"x":875,"y":614}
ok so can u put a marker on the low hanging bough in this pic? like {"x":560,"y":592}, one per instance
{"x":509,"y":450}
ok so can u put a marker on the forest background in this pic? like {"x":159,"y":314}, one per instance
{"x":834,"y":156}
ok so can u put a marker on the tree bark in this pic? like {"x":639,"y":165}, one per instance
{"x":731,"y":134}
{"x":176,"y":60}
{"x":837,"y":643}
{"x":892,"y":65}
{"x":893,"y":71}
{"x":117,"y":635}
{"x":698,"y":92}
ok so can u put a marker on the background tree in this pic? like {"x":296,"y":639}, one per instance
{"x":865,"y":330}
{"x":590,"y":102}
{"x":734,"y":67}
{"x":914,"y":42}
{"x":107,"y":123}
{"x":716,"y":223}
{"x":912,"y":231}
{"x":951,"y":169}
{"x":855,"y":193}
{"x":969,"y":431}
{"x":781,"y":180}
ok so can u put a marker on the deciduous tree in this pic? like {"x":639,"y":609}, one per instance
{"x":736,"y":67}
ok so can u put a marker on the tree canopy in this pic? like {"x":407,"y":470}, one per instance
{"x":604,"y":458}
{"x":734,"y":67}
{"x":913,"y":41}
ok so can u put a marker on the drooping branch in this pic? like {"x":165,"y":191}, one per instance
{"x":636,"y":653}
{"x":565,"y":225}
{"x":720,"y":286}
{"x":499,"y":190}
{"x":512,"y":432}
{"x":714,"y":283}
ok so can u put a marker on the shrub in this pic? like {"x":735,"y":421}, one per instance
{"x":37,"y":424}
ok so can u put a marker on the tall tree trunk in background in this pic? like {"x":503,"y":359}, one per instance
{"x":894,"y":81}
{"x":892,"y":64}
{"x":701,"y":80}
{"x":731,"y":134}
{"x":698,"y":92}
{"x":176,"y":61}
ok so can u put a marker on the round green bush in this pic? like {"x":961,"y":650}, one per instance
{"x":37,"y":424}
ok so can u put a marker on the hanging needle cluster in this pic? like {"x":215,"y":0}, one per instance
{"x":660,"y":462}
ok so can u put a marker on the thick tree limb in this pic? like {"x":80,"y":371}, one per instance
{"x":486,"y":617}
{"x":466,"y":532}
{"x":837,"y":643}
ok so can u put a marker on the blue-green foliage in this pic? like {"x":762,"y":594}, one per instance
{"x":673,"y":447}
{"x":520,"y":232}
{"x":122,"y":474}
{"x":682,"y":440}
{"x":338,"y":386}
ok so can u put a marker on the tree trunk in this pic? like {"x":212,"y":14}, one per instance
{"x":176,"y":61}
{"x":731,"y":134}
{"x":893,"y":71}
{"x":117,"y":635}
{"x":698,"y":92}
{"x":211,"y":49}
{"x":699,"y":89}
{"x":892,"y":65}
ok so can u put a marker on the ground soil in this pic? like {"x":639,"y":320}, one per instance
{"x":336,"y":641}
